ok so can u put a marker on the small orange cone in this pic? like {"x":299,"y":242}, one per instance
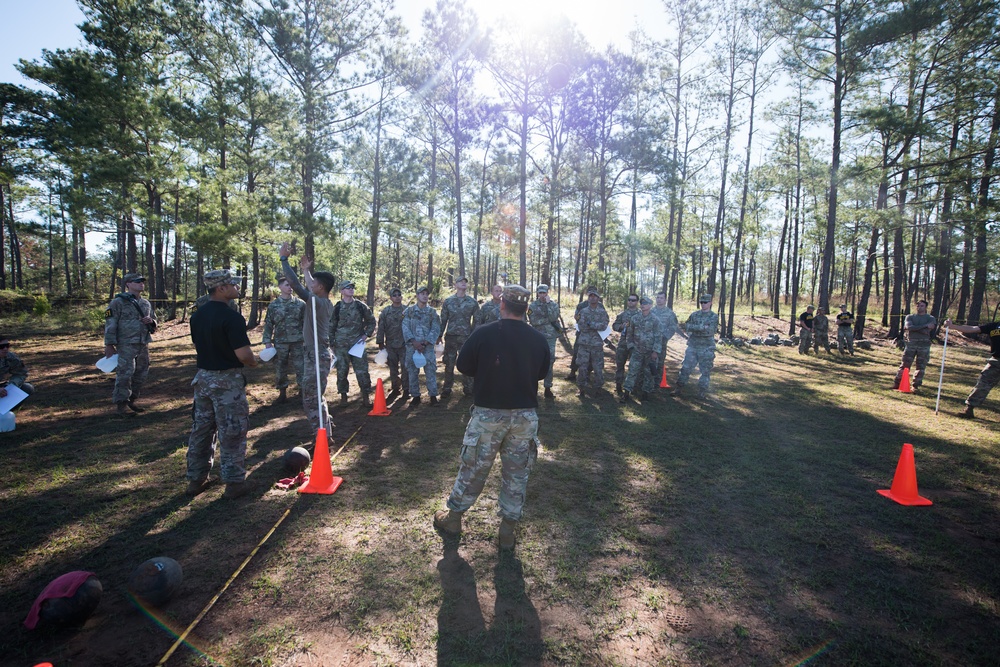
{"x":321,"y":479}
{"x":379,"y":410}
{"x":904,"y":484}
{"x":904,"y":383}
{"x":663,"y":380}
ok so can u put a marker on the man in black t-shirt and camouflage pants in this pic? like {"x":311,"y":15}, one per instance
{"x":990,"y":375}
{"x":506,"y":359}
{"x":220,"y":400}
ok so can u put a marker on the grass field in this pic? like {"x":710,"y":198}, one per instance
{"x":743,"y":529}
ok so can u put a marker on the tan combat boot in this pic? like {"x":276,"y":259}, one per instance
{"x":506,"y":534}
{"x":448,"y":521}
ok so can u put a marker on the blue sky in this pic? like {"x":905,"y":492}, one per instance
{"x":32,"y":25}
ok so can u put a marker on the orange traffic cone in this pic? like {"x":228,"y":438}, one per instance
{"x":904,"y":484}
{"x":904,"y":383}
{"x":663,"y":380}
{"x":379,"y":410}
{"x":321,"y":479}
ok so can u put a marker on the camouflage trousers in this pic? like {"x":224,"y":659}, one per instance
{"x":399,"y":375}
{"x":220,"y":407}
{"x":573,"y":364}
{"x":661,"y":359}
{"x":311,"y":402}
{"x":805,"y":340}
{"x":344,"y":364}
{"x":133,"y":368}
{"x":590,"y":358}
{"x":821,"y":338}
{"x":703,"y":358}
{"x":452,"y":346}
{"x":922,"y":355}
{"x":622,"y":353}
{"x":289,"y":355}
{"x":552,"y":361}
{"x":640,"y":372}
{"x":429,"y":369}
{"x":845,"y":339}
{"x":512,"y":434}
{"x":987,"y":380}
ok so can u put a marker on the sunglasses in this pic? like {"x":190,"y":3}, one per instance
{"x":4,"y":346}
{"x":633,"y":299}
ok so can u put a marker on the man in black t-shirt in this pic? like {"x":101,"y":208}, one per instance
{"x":990,"y":375}
{"x":806,"y":330}
{"x":506,"y":360}
{"x":845,"y":330}
{"x":220,"y":400}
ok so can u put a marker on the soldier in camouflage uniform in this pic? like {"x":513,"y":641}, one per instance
{"x":821,"y":331}
{"x":421,"y":327}
{"x":220,"y":400}
{"x":701,"y":327}
{"x":845,"y":330}
{"x":490,"y":311}
{"x":591,"y":320}
{"x":543,"y":315}
{"x":576,"y":343}
{"x":623,"y":350}
{"x":504,"y":418}
{"x":12,"y":370}
{"x":645,"y":338}
{"x":919,"y":328}
{"x":458,"y":313}
{"x":283,"y":332}
{"x":129,"y":322}
{"x":352,"y":323}
{"x":806,"y":330}
{"x":390,"y":338}
{"x":669,"y":326}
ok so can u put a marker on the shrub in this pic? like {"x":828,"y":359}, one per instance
{"x":42,"y":306}
{"x":12,"y":302}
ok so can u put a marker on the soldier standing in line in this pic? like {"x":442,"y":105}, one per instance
{"x":458,"y":314}
{"x":806,"y":330}
{"x":845,"y":330}
{"x":490,"y":311}
{"x":669,"y":325}
{"x":129,"y":322}
{"x":220,"y":400}
{"x":645,"y":338}
{"x":352,"y":322}
{"x":592,"y":320}
{"x":623,"y":351}
{"x":421,"y":327}
{"x":12,"y":370}
{"x":283,"y":332}
{"x":821,"y":331}
{"x":543,"y":315}
{"x":919,"y":328}
{"x":390,"y":338}
{"x":990,"y":375}
{"x":507,"y":359}
{"x":576,"y":342}
{"x":701,"y":327}
{"x":320,"y":284}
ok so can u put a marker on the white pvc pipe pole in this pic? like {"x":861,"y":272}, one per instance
{"x":319,"y":390}
{"x":944,"y":353}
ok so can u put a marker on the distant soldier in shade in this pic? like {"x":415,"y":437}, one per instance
{"x":645,"y":339}
{"x":390,"y":338}
{"x":669,"y":324}
{"x":351,"y":323}
{"x":845,"y":330}
{"x":806,"y":330}
{"x":283,"y":332}
{"x":129,"y":323}
{"x":12,"y":370}
{"x":507,"y":359}
{"x":623,"y":351}
{"x":701,"y":327}
{"x":918,"y":327}
{"x":592,"y":320}
{"x":990,"y":375}
{"x":490,"y":311}
{"x":421,"y":327}
{"x":458,"y":313}
{"x":821,"y":331}
{"x":543,"y":315}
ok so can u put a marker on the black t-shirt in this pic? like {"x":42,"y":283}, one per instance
{"x":844,"y":318}
{"x":993,"y":331}
{"x":507,"y":358}
{"x":217,"y":332}
{"x":806,"y":319}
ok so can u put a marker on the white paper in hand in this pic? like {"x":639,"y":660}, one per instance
{"x":382,"y":358}
{"x":606,"y":332}
{"x":14,"y":396}
{"x":358,"y":350}
{"x":107,"y":364}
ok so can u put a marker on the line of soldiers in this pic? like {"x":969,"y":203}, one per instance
{"x":814,"y":331}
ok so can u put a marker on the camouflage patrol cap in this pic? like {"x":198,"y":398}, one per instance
{"x":705,"y":298}
{"x":645,"y":301}
{"x":515,"y":294}
{"x":542,"y":288}
{"x":593,"y":290}
{"x":220,"y":277}
{"x":461,"y":279}
{"x":280,"y":277}
{"x":133,"y":278}
{"x":423,"y":288}
{"x":395,"y":291}
{"x":346,"y":284}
